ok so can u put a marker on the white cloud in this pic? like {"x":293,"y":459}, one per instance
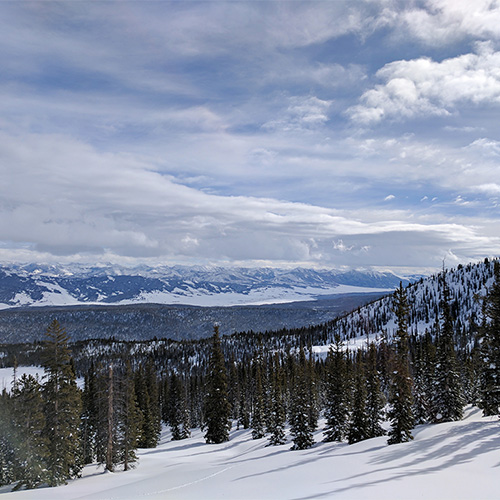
{"x":422,"y":87}
{"x":446,"y":21}
{"x":490,"y":188}
{"x":389,"y":197}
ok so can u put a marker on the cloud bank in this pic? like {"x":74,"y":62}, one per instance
{"x":276,"y":133}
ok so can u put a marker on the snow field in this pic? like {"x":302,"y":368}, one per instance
{"x":455,"y":460}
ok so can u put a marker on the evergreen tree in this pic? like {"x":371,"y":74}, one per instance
{"x":147,"y":392}
{"x":312,"y":391}
{"x":337,"y":398}
{"x":375,"y":400}
{"x":300,"y":421}
{"x":217,"y":407}
{"x":110,"y":421}
{"x":448,"y":400}
{"x":178,"y":411}
{"x":401,"y":401}
{"x":129,"y":421}
{"x":29,"y":424}
{"x":359,"y":424}
{"x":90,"y":416}
{"x":423,"y":379}
{"x":258,"y":400}
{"x":243,"y":405}
{"x":490,"y":349}
{"x":62,"y":407}
{"x":278,"y":412}
{"x":7,"y":439}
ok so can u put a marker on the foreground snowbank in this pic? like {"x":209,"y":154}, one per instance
{"x":457,"y":460}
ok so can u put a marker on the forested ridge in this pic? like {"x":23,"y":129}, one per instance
{"x":417,"y":356}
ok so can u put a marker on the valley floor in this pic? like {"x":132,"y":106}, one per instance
{"x":456,"y":460}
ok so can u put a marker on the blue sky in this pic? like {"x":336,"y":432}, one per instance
{"x":327,"y":134}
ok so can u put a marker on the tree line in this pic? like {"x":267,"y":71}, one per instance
{"x":51,"y":428}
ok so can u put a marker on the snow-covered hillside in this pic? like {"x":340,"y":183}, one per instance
{"x":467,"y":285}
{"x":455,"y":460}
{"x":39,"y":285}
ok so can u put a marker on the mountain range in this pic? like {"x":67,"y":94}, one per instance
{"x":52,"y":285}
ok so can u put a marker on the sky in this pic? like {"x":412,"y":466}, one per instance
{"x":250,"y":133}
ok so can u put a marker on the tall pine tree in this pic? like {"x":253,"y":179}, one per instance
{"x":337,"y":397}
{"x":217,"y":406}
{"x":300,"y":411}
{"x":448,"y":400}
{"x":375,"y":400}
{"x":490,"y":349}
{"x":401,"y":401}
{"x":29,"y":424}
{"x":62,"y":407}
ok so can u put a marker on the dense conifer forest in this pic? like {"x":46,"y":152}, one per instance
{"x":417,"y":356}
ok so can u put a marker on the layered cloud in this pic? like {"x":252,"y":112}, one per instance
{"x":319,"y":133}
{"x":68,"y":199}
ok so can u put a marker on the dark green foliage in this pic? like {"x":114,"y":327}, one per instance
{"x":128,"y":422}
{"x":178,"y":409}
{"x":423,"y":366}
{"x":337,"y":397}
{"x":400,"y":399}
{"x":300,"y":411}
{"x":62,"y":408}
{"x":375,"y":400}
{"x":448,"y":400}
{"x":359,"y":423}
{"x":490,"y":349}
{"x":277,"y":414}
{"x":89,"y":425}
{"x":217,"y":407}
{"x":147,"y":393}
{"x":243,"y":404}
{"x":29,"y":429}
{"x":257,"y":422}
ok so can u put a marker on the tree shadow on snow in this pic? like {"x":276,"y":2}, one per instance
{"x":476,"y":438}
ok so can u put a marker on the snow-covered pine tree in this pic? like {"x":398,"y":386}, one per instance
{"x":217,"y":407}
{"x":490,"y":349}
{"x":337,"y":398}
{"x":400,"y":398}
{"x":62,"y":407}
{"x":448,"y":400}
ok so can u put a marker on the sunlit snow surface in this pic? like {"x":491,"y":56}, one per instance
{"x":458,"y":460}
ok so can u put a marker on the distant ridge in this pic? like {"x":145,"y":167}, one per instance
{"x":52,"y":285}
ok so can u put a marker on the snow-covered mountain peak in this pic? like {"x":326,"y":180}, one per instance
{"x":37,"y":284}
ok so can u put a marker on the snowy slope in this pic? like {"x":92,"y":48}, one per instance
{"x":467,"y":284}
{"x":456,"y":460}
